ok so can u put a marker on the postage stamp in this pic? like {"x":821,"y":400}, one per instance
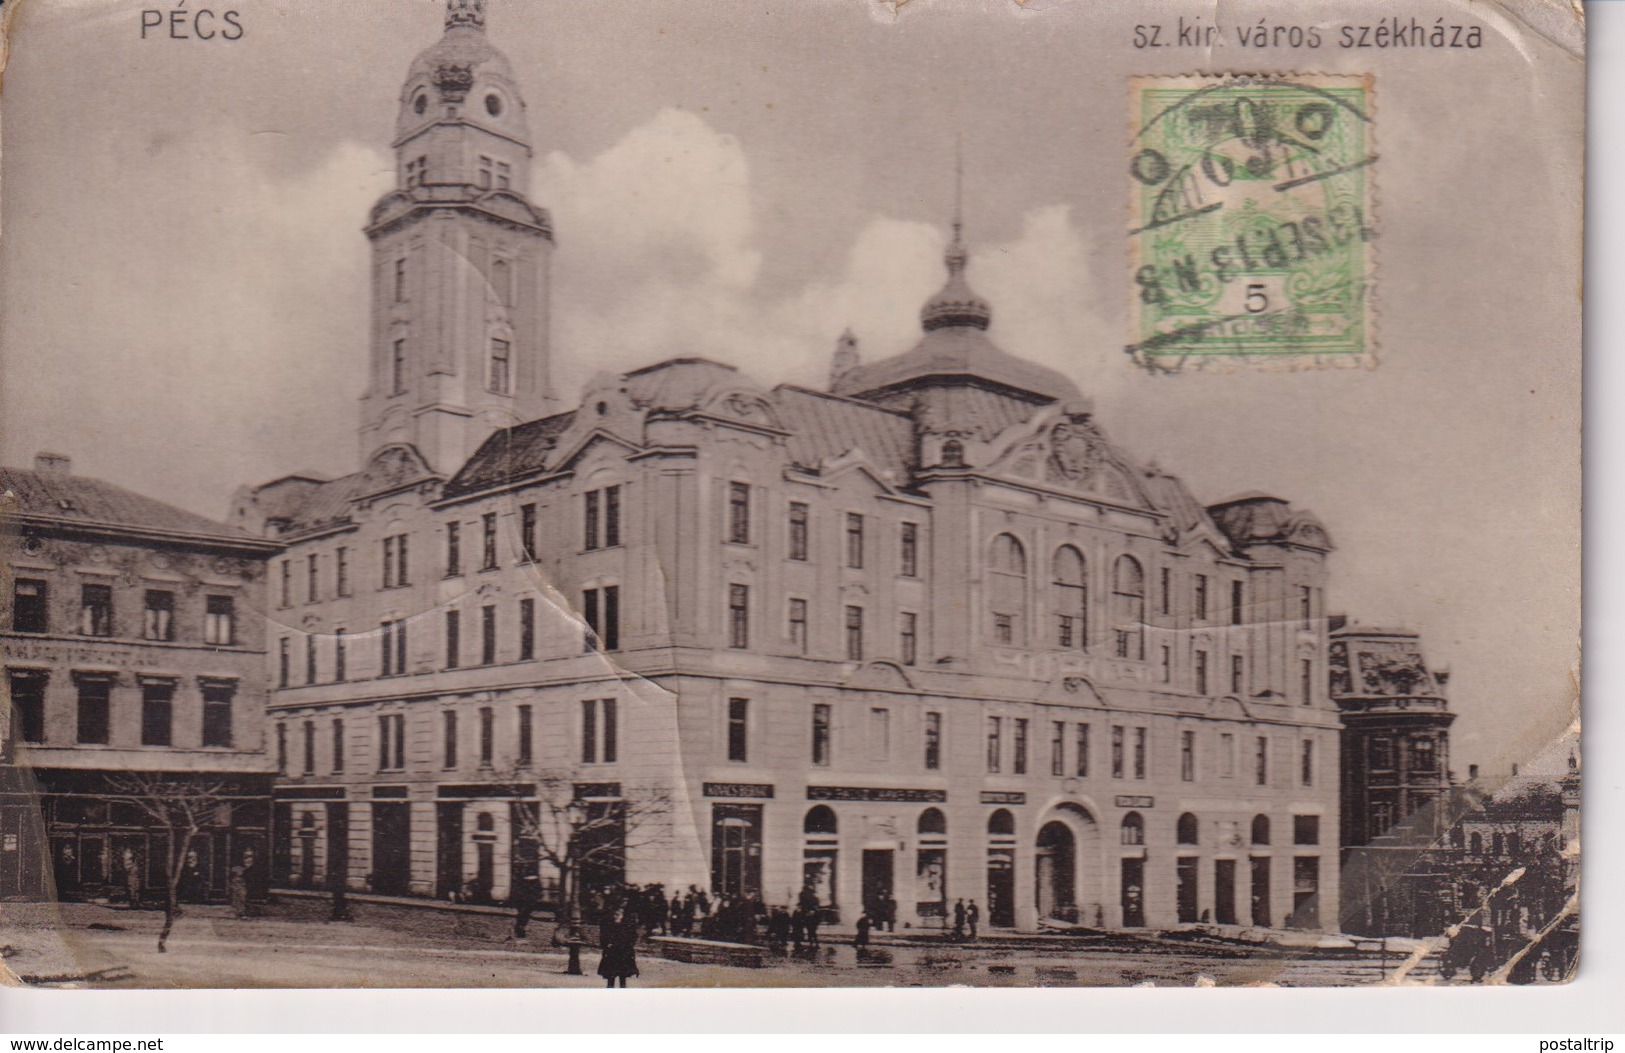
{"x":1250,"y":226}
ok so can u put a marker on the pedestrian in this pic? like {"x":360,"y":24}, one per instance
{"x":132,"y":878}
{"x":814,"y":918}
{"x":702,"y":903}
{"x":619,"y":939}
{"x":676,"y":915}
{"x":959,"y":919}
{"x":861,"y":940}
{"x":973,"y":914}
{"x":889,"y":905}
{"x":237,"y":889}
{"x":193,"y":888}
{"x":778,"y":929}
{"x":527,"y":893}
{"x":798,"y":928}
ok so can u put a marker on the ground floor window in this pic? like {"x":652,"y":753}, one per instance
{"x":1306,"y":892}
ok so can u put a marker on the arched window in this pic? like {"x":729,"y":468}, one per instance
{"x":1128,"y":607}
{"x":308,"y":821}
{"x":1133,"y":829}
{"x":1007,"y":591}
{"x":1261,"y":829}
{"x":1185,"y":832}
{"x":1069,"y":596}
{"x":953,"y":454}
{"x":487,"y":823}
{"x":932,"y":821}
{"x":820,"y":820}
{"x":1475,"y":844}
{"x":1002,"y":823}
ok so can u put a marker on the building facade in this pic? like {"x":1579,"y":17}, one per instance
{"x":928,"y":635}
{"x":133,"y":649}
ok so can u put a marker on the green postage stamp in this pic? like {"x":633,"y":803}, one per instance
{"x":1250,"y":226}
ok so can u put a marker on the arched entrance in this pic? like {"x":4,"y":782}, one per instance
{"x":1056,"y":864}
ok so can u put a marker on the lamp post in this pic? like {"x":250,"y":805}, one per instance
{"x":576,"y":812}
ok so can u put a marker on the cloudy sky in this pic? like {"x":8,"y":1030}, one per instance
{"x":184,"y":303}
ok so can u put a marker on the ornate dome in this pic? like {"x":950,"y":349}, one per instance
{"x":956,"y":304}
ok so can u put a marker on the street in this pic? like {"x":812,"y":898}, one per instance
{"x":293,"y":945}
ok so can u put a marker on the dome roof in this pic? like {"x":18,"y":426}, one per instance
{"x":463,"y":46}
{"x":956,"y":303}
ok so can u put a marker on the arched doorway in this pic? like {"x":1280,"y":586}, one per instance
{"x":1056,"y":872}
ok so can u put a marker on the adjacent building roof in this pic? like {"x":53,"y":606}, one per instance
{"x":78,"y":500}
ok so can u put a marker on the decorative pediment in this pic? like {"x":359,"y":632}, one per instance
{"x":1073,"y":689}
{"x":744,"y":405}
{"x":858,"y":462}
{"x":1066,"y":450}
{"x":880,"y":676}
{"x":393,"y":468}
{"x":1228,"y":707}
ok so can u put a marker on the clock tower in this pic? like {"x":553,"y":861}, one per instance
{"x":460,"y":258}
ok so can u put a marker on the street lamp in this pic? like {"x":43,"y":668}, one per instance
{"x":576,"y":814}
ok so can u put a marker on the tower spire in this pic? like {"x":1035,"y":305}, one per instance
{"x":465,"y":13}
{"x":956,"y":256}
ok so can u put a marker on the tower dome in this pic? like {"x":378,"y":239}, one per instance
{"x":463,"y":76}
{"x":956,"y":303}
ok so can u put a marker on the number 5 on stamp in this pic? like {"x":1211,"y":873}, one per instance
{"x":1250,"y":221}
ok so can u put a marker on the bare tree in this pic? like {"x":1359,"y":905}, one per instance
{"x":182,"y":808}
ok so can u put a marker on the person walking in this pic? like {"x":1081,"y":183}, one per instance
{"x":973,"y":914}
{"x":527,"y":893}
{"x":132,"y":878}
{"x":861,"y":940}
{"x":959,"y":919}
{"x":619,"y":939}
{"x":237,"y":890}
{"x":889,"y":905}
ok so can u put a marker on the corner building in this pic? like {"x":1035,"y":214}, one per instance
{"x":928,"y":634}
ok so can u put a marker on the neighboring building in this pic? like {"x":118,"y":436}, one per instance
{"x":929,"y":635}
{"x":1398,"y":795}
{"x":132,"y":642}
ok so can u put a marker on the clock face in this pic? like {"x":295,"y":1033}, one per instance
{"x":493,"y":104}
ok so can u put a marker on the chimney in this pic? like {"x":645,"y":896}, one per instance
{"x":53,"y":464}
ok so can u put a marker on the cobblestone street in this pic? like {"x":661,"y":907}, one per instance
{"x":294,"y":945}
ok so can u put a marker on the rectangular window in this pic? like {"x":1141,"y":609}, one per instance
{"x":395,"y":562}
{"x":487,"y":735}
{"x":95,"y":701}
{"x":389,"y":562}
{"x":392,"y":742}
{"x":338,"y":745}
{"x":598,"y":731}
{"x":1306,"y":829}
{"x":488,"y":636}
{"x":738,"y":616}
{"x":1139,"y":753}
{"x":1382,"y":753}
{"x":96,"y":610}
{"x":310,"y":658}
{"x":1082,"y":767}
{"x":527,"y":736}
{"x":313,"y":591}
{"x":157,"y":713}
{"x":1306,"y":680}
{"x":1261,"y":761}
{"x":1187,"y":756}
{"x":590,"y":518}
{"x":416,"y":171}
{"x":603,"y":621}
{"x":821,"y":734}
{"x":854,"y":634}
{"x":1117,"y":751}
{"x":284,"y":660}
{"x":1018,"y":763}
{"x":504,"y":174}
{"x":1423,"y":756}
{"x":995,"y":744}
{"x":341,"y":570}
{"x":340,"y":673}
{"x":397,"y":367}
{"x":933,"y":741}
{"x":501,"y":366}
{"x":1201,"y":597}
{"x":286,"y":590}
{"x":1057,"y":748}
{"x":798,"y":531}
{"x":1306,"y":764}
{"x":1004,"y":629}
{"x":1165,"y":591}
{"x":484,"y":172}
{"x":217,"y":700}
{"x":612,"y":516}
{"x":527,"y":532}
{"x":1238,"y":674}
{"x":738,"y":729}
{"x":454,"y":639}
{"x":798,"y":625}
{"x":909,"y":556}
{"x":158,"y":616}
{"x":909,"y":637}
{"x":454,"y":549}
{"x":880,"y":733}
{"x":1166,"y":666}
{"x":488,"y":540}
{"x":29,"y":607}
{"x":1201,"y":672}
{"x":309,"y":730}
{"x":1236,"y":596}
{"x":400,"y":280}
{"x":739,"y":513}
{"x":1227,"y":755}
{"x":854,"y":540}
{"x":220,"y":621}
{"x":1306,"y":607}
{"x":527,"y":630}
{"x":282,"y":748}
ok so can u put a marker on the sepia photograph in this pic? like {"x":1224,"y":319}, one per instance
{"x":801,"y":493}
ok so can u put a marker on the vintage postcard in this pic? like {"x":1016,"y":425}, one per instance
{"x":555,"y":493}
